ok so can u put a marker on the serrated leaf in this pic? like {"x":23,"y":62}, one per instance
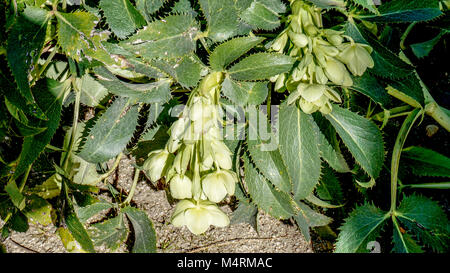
{"x":49,"y":96}
{"x":362,"y":138}
{"x":73,"y":224}
{"x":369,"y":86}
{"x":92,"y":92}
{"x":14,"y":98}
{"x":264,"y":14}
{"x":329,"y":188}
{"x":367,"y":4}
{"x":426,"y":162}
{"x":110,"y":233}
{"x":333,"y":157}
{"x":245,"y":213}
{"x":17,"y":198}
{"x":403,"y":241}
{"x":111,"y":132}
{"x":148,"y":7}
{"x":362,"y":226}
{"x":402,"y":11}
{"x":273,"y":201}
{"x":222,"y":18}
{"x":185,"y":70}
{"x":76,"y":35}
{"x":24,"y":45}
{"x":144,"y":233}
{"x":261,"y":66}
{"x":38,"y":210}
{"x":243,"y":93}
{"x":313,"y":218}
{"x":426,"y":219}
{"x":122,"y":17}
{"x":143,"y":92}
{"x":231,"y":50}
{"x":327,"y":4}
{"x":409,"y":88}
{"x":49,"y":189}
{"x":299,"y":149}
{"x":423,"y":49}
{"x":387,"y":63}
{"x":264,"y":153}
{"x":170,"y":37}
{"x":84,"y":213}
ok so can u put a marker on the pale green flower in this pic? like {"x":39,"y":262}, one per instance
{"x":157,"y":163}
{"x":357,"y":58}
{"x":216,"y":185}
{"x":180,"y":187}
{"x":197,"y":216}
{"x":337,"y":73}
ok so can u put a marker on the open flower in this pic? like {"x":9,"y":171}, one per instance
{"x":157,"y":163}
{"x":198,"y":215}
{"x":180,"y":187}
{"x":357,"y":58}
{"x":216,"y":185}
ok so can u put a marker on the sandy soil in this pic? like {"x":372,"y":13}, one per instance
{"x":273,"y":237}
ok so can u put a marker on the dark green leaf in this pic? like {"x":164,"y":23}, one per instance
{"x":261,"y":66}
{"x":264,"y":153}
{"x":362,"y":138}
{"x":49,"y":95}
{"x":273,"y":201}
{"x":426,"y":162}
{"x":243,"y":93}
{"x":369,"y":86}
{"x":170,"y":37}
{"x":426,"y":219}
{"x":299,"y":149}
{"x":111,"y":132}
{"x":362,"y":226}
{"x":144,"y":233}
{"x":143,"y":92}
{"x":401,"y":11}
{"x":122,"y":17}
{"x":231,"y":50}
{"x":222,"y":18}
{"x":110,"y":233}
{"x":264,"y":14}
{"x":25,"y":42}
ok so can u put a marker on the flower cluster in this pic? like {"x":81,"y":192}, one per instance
{"x":326,"y":56}
{"x":196,"y":162}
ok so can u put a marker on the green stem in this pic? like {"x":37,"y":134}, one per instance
{"x":74,"y":124}
{"x":202,"y":41}
{"x":396,"y":153}
{"x":133,"y":187}
{"x":111,"y":170}
{"x":44,"y":66}
{"x":405,"y":35}
{"x":24,"y":179}
{"x":436,"y":112}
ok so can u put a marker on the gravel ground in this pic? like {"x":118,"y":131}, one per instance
{"x":273,"y":237}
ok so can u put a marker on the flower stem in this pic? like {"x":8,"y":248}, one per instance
{"x":133,"y":187}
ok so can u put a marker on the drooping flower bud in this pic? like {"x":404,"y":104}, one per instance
{"x":216,"y":185}
{"x":180,"y":187}
{"x":197,"y":216}
{"x":280,"y":42}
{"x":299,"y":39}
{"x":157,"y":163}
{"x":337,"y":73}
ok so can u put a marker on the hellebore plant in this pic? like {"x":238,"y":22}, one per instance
{"x":263,"y":105}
